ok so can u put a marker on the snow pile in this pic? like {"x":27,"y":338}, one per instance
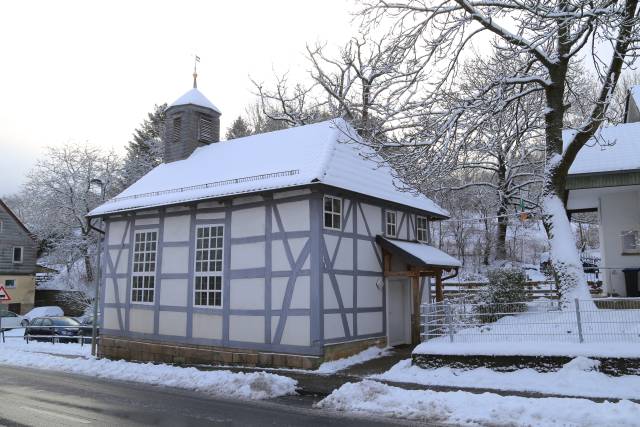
{"x":254,"y":385}
{"x":363,"y":356}
{"x":576,"y":378}
{"x":468,"y":409}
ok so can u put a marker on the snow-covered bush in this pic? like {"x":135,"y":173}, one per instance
{"x":504,"y":294}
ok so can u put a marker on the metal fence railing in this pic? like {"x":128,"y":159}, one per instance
{"x":582,"y":321}
{"x":51,"y":334}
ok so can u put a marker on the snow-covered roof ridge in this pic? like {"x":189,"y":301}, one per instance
{"x":613,"y":149}
{"x":320,"y":153}
{"x":195,"y":97}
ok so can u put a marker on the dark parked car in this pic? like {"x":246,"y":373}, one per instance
{"x":60,"y":329}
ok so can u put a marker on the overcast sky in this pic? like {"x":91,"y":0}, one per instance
{"x":89,"y":71}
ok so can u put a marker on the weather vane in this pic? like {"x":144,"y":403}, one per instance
{"x":195,"y":71}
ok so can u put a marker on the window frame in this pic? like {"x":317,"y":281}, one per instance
{"x":144,"y":274}
{"x":7,"y":285}
{"x":13,"y":255}
{"x":393,"y":224}
{"x":207,"y":275}
{"x":333,"y":213}
{"x":176,"y":136}
{"x":426,"y":229}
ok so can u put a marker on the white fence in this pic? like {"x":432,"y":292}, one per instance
{"x":583,"y":321}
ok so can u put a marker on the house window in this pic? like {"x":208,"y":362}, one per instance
{"x":207,"y":291}
{"x":144,"y":267}
{"x":422,"y":231}
{"x":177,"y":129}
{"x":631,"y":242}
{"x":10,"y":283}
{"x":18,"y":254}
{"x":206,"y":129}
{"x":332,"y":212}
{"x":391,"y":223}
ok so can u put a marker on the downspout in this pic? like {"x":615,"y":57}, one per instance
{"x":94,"y":329}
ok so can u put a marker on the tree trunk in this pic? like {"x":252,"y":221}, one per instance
{"x":501,"y":234}
{"x":88,"y":267}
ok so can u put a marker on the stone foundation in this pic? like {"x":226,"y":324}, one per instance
{"x":341,"y":350}
{"x":175,"y":353}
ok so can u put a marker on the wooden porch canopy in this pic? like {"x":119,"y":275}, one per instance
{"x":421,"y":260}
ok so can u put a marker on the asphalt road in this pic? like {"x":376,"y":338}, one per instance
{"x":30,"y":397}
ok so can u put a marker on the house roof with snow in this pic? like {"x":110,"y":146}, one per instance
{"x":194,"y":97}
{"x":615,"y":149}
{"x":321,"y":153}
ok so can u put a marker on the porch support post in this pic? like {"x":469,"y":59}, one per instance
{"x":415,"y":318}
{"x":439,"y":290}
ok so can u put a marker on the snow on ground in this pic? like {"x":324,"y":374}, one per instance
{"x":255,"y":385}
{"x":540,"y":348}
{"x":468,"y":409}
{"x":576,"y":378}
{"x":363,"y":356}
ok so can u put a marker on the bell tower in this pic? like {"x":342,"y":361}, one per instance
{"x":192,"y":121}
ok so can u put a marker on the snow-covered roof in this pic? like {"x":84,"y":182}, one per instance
{"x":420,"y":253}
{"x":194,"y":97}
{"x":616,"y":148}
{"x":323,"y":153}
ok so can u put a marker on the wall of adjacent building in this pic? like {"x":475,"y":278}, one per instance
{"x":619,"y":212}
{"x":12,"y":235}
{"x":23,"y":291}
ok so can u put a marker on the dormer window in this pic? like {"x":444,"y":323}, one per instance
{"x":205,"y":129}
{"x":177,"y":129}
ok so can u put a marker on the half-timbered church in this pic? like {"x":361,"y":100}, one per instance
{"x":281,"y":249}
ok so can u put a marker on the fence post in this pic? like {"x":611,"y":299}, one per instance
{"x":580,"y":337}
{"x":449,"y":320}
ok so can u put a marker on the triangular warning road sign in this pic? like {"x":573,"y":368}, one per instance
{"x":4,"y":296}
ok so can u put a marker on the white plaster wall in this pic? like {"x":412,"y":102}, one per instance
{"x":248,"y":222}
{"x":294,"y":215}
{"x":111,"y":318}
{"x":370,"y":323}
{"x":301,"y":292}
{"x":175,"y":260}
{"x":109,"y":291}
{"x":368,"y":293}
{"x":296,"y":331}
{"x":367,"y":259}
{"x":246,"y":328}
{"x":174,"y":292}
{"x":207,"y":326}
{"x":373,"y":215}
{"x":172,"y":323}
{"x":344,"y":258}
{"x":141,"y":321}
{"x":348,"y":206}
{"x":333,"y":326}
{"x":177,"y":228}
{"x":116,"y":232}
{"x":121,"y":265}
{"x":247,"y":293}
{"x":174,"y":209}
{"x":345,"y":286}
{"x":401,"y":224}
{"x":210,"y":215}
{"x":279,"y":260}
{"x":618,"y":212}
{"x":148,"y":221}
{"x":247,"y":255}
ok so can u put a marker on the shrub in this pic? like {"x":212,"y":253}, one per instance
{"x":505,"y":293}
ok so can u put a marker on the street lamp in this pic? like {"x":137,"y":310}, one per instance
{"x":94,"y":326}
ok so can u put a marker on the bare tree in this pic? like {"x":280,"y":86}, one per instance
{"x":546,"y":36}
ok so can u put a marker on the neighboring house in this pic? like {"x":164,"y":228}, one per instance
{"x":18,"y":250}
{"x":263,"y":250}
{"x":605,"y":178}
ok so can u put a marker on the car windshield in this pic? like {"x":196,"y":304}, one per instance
{"x":65,"y":322}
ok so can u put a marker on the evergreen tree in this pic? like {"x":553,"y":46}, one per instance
{"x":145,"y":150}
{"x":239,"y":129}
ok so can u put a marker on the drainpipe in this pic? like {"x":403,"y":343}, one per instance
{"x":94,"y":328}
